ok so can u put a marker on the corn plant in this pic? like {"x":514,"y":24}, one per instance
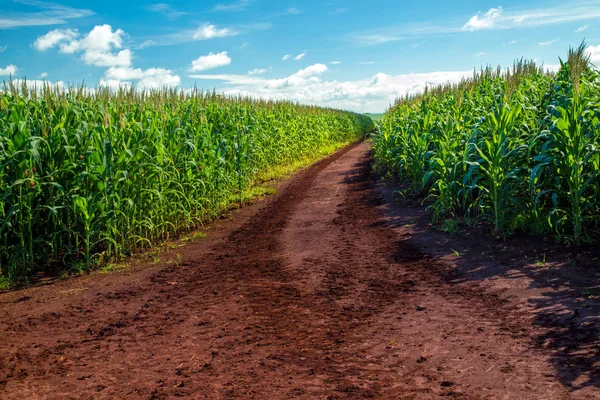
{"x":91,"y":175}
{"x":516,"y":148}
{"x":496,"y":165}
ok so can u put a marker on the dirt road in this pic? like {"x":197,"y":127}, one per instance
{"x":315,"y":293}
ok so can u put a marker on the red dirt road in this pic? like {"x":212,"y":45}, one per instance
{"x":316,"y":293}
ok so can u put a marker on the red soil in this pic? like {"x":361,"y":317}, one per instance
{"x":324,"y":291}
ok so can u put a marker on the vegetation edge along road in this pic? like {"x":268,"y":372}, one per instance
{"x":368,"y":313}
{"x":91,"y":176}
{"x":514,"y":150}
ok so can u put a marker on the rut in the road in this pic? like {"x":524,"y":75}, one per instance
{"x":314,"y":297}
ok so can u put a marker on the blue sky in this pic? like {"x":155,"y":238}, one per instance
{"x":357,"y":55}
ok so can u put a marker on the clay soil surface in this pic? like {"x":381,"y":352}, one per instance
{"x":330,"y":289}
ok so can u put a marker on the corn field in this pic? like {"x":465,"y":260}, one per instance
{"x":92,"y":175}
{"x":513,"y":150}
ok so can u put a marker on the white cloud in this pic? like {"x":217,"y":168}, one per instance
{"x":101,"y":39}
{"x":166,"y":10}
{"x":306,"y":86}
{"x":2,"y":48}
{"x":300,"y":56}
{"x":9,"y":70}
{"x":374,"y":39}
{"x":568,"y":11}
{"x":97,"y":46}
{"x":335,"y":62}
{"x":483,"y":21}
{"x":594,"y":53}
{"x":43,"y":75}
{"x":512,"y":42}
{"x":158,"y":81}
{"x":55,"y":37}
{"x":205,"y":32}
{"x":258,"y":71}
{"x":582,"y":28}
{"x":366,"y":63}
{"x":296,"y":58}
{"x":152,"y":78}
{"x":44,"y":14}
{"x":480,"y":54}
{"x":36,"y":84}
{"x":548,"y":43}
{"x":146,"y":43}
{"x":102,"y":59}
{"x":240,"y":5}
{"x":114,"y":84}
{"x":552,"y":67}
{"x":210,"y":61}
{"x":209,"y":31}
{"x":313,"y":70}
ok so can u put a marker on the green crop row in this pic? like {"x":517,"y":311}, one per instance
{"x":88,"y":176}
{"x":515,"y":150}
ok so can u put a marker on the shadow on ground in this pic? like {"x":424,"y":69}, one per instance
{"x":559,"y":286}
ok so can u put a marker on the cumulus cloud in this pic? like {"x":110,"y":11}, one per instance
{"x":43,"y":75}
{"x":483,"y":21}
{"x":97,"y":47}
{"x":101,"y":47}
{"x":210,"y":31}
{"x":210,"y":61}
{"x":158,"y":80}
{"x":312,"y":70}
{"x":114,"y":84}
{"x":552,"y":67}
{"x":9,"y":70}
{"x":101,"y":38}
{"x":36,"y":84}
{"x":55,"y":37}
{"x":594,"y":53}
{"x":101,"y":59}
{"x":307,"y":86}
{"x":152,"y":78}
{"x":303,"y":76}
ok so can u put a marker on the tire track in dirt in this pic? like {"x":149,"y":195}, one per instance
{"x":313,"y":297}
